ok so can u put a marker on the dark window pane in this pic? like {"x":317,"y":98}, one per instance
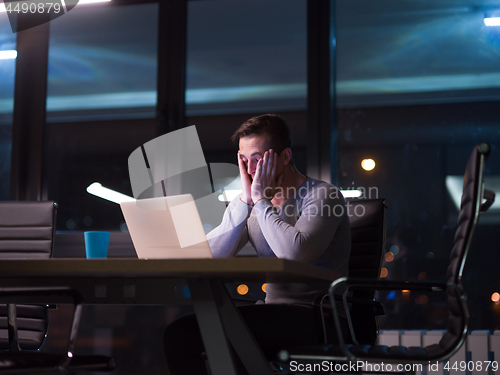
{"x":418,"y":85}
{"x":409,"y":52}
{"x":246,"y":56}
{"x":7,"y":76}
{"x":79,"y":154}
{"x":103,"y":63}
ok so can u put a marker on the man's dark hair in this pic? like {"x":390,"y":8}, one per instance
{"x":273,"y":127}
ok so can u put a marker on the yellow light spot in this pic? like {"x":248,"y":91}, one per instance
{"x":406,"y":291}
{"x":495,"y":297}
{"x":389,"y":257}
{"x":264,"y":287}
{"x":367,"y":164}
{"x":384,"y":272}
{"x":422,"y":275}
{"x":242,"y":289}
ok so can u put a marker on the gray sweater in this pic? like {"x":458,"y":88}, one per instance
{"x":312,"y":226}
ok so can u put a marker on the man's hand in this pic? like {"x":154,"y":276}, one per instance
{"x":246,"y":182}
{"x":264,"y":182}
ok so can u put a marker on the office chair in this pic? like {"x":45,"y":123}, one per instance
{"x":471,"y":206}
{"x":27,"y":231}
{"x":368,"y":235}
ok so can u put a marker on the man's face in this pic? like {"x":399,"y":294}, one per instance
{"x":252,"y":149}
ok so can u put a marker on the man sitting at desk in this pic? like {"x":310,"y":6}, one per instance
{"x":283,"y":214}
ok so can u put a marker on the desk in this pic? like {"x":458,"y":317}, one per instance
{"x":140,"y":281}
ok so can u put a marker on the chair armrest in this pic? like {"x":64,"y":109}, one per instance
{"x":372,"y":284}
{"x":39,"y":295}
{"x":387,"y":284}
{"x":378,"y":307}
{"x":489,"y":196}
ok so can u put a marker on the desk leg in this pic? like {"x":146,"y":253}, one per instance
{"x":218,"y":317}
{"x":212,"y":331}
{"x":240,"y":336}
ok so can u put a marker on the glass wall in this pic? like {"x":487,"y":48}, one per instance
{"x":100,"y":107}
{"x":102,"y":63}
{"x":7,"y":76}
{"x":245,"y":58}
{"x":417,"y":87}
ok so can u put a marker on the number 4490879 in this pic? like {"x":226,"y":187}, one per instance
{"x":32,"y":7}
{"x":471,"y":365}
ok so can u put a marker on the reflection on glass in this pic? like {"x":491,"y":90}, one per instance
{"x":415,"y":52}
{"x":7,"y":76}
{"x":103,"y":63}
{"x":246,"y":56}
{"x":418,"y":85}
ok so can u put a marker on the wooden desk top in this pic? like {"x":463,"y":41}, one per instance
{"x":233,"y":269}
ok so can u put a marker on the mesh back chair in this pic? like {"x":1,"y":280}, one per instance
{"x":27,"y":231}
{"x":471,"y":206}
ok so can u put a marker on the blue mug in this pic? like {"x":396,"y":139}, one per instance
{"x":96,"y":244}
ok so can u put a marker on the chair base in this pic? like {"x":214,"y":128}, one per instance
{"x":36,"y":362}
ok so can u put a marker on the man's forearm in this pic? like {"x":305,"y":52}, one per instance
{"x":231,"y":235}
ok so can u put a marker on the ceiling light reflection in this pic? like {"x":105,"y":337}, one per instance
{"x":492,"y":21}
{"x":98,"y":190}
{"x":9,"y":54}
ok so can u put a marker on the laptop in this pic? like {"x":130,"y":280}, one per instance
{"x":166,"y":228}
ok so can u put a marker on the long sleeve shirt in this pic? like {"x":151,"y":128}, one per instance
{"x":312,"y":226}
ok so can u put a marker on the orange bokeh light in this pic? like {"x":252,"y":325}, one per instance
{"x":495,"y":297}
{"x":264,"y":288}
{"x":242,"y":289}
{"x":389,"y":257}
{"x":384,"y":272}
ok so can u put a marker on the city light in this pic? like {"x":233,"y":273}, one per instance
{"x":368,"y":164}
{"x":394,"y":249}
{"x":242,"y":289}
{"x":495,"y":297}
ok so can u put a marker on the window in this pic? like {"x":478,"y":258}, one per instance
{"x":103,"y":63}
{"x":102,"y":68}
{"x":7,"y":76}
{"x":246,"y":57}
{"x":415,"y":52}
{"x":417,"y":88}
